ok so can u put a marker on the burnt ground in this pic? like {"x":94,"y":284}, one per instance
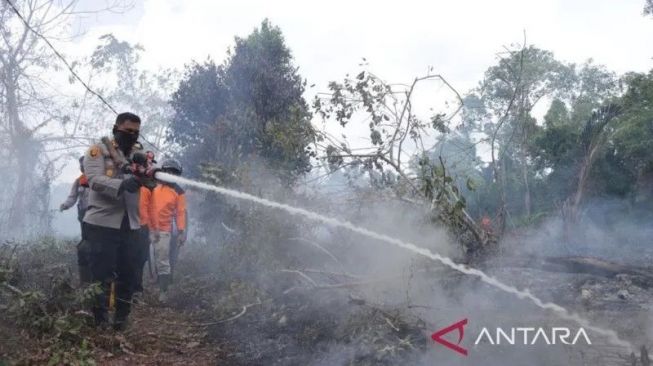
{"x":300,"y":323}
{"x":278,"y":317}
{"x":157,"y":336}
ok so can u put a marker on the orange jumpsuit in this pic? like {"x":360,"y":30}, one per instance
{"x":168,"y":208}
{"x":145,"y":207}
{"x":167,"y":213}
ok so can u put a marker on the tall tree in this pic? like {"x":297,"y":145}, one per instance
{"x":510,"y":90}
{"x":250,"y":107}
{"x":633,"y":138}
{"x":31,"y":108}
{"x":574,"y":135}
{"x":129,"y":86}
{"x":526,"y":152}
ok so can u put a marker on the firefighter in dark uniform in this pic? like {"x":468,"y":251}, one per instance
{"x":79,"y":194}
{"x":112,"y":218}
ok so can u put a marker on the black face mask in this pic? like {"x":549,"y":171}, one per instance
{"x":125,"y":140}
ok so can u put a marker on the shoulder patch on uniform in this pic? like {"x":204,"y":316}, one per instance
{"x":94,"y":151}
{"x":178,"y":189}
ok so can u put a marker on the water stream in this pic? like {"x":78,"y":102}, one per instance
{"x":563,"y":313}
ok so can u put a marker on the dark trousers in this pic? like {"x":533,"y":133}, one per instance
{"x":113,"y":259}
{"x":143,"y":253}
{"x":84,"y":258}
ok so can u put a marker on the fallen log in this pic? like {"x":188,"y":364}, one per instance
{"x":581,"y":265}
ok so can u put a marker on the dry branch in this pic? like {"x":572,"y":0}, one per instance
{"x":242,"y":312}
{"x":584,"y":265}
{"x":301,"y":274}
{"x":316,"y":245}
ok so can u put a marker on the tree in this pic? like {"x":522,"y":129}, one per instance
{"x":574,"y":136}
{"x":32,"y":108}
{"x":633,"y":137}
{"x":398,"y":159}
{"x":251,"y":107}
{"x":591,"y":140}
{"x":538,"y":159}
{"x":510,"y":91}
{"x":130,"y":87}
{"x":648,"y":7}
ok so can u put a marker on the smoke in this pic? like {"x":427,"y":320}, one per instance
{"x":408,"y":289}
{"x":607,"y":228}
{"x":64,"y":224}
{"x":25,"y":204}
{"x":469,"y":297}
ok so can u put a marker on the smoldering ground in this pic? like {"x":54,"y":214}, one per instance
{"x":315,"y":295}
{"x":271,"y":288}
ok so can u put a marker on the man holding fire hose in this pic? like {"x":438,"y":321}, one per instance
{"x":116,"y":170}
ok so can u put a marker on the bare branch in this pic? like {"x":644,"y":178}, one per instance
{"x":315,"y":244}
{"x":301,"y":274}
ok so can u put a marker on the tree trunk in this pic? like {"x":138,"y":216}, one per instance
{"x":579,"y":264}
{"x":583,"y":174}
{"x":527,"y":188}
{"x":524,"y":113}
{"x":503,"y":208}
{"x":20,"y":143}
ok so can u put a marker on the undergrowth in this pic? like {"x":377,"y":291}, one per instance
{"x":42,"y":302}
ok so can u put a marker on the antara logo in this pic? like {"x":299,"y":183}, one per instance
{"x":512,"y":336}
{"x":460,"y":326}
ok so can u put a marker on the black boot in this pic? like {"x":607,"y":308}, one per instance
{"x":120,"y":323}
{"x":101,"y":317}
{"x":101,"y":307}
{"x":122,"y":314}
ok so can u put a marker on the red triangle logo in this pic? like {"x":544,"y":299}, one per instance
{"x":460,"y":326}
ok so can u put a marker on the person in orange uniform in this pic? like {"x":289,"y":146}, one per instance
{"x":145,"y":206}
{"x":168,"y":225}
{"x":486,"y":224}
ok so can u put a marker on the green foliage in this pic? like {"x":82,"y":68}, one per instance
{"x":558,"y":114}
{"x":522,"y":79}
{"x":437,"y":186}
{"x":396,"y":132}
{"x":623,"y":158}
{"x":537,"y":162}
{"x":388,"y":115}
{"x":81,"y":355}
{"x":365,"y":92}
{"x":250,"y":107}
{"x":43,"y":301}
{"x":256,"y":238}
{"x":115,"y":54}
{"x":132,"y":88}
{"x":634,"y":135}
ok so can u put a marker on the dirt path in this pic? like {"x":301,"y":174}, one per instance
{"x":157,"y":335}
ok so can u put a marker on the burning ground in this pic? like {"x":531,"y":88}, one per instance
{"x":412,"y":194}
{"x":259,"y":295}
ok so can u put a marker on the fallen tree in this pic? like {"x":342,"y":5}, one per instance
{"x":581,"y":265}
{"x":398,"y":161}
